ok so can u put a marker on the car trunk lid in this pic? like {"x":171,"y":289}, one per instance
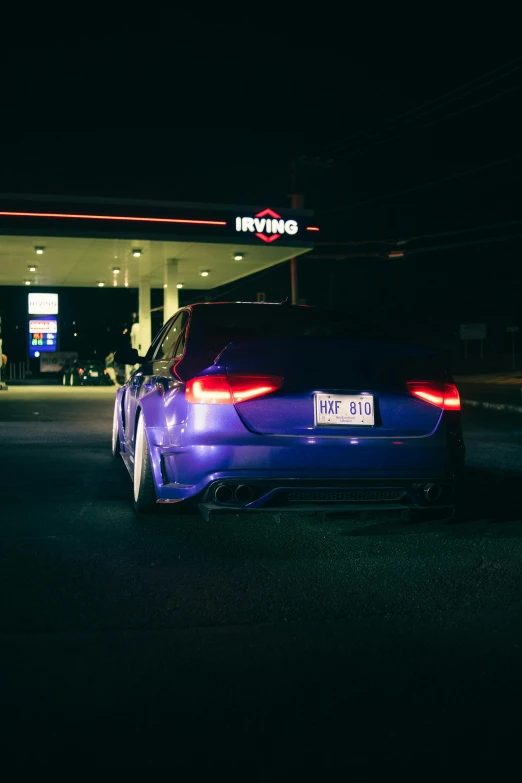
{"x":320,"y":375}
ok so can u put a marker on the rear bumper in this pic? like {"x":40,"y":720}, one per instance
{"x":277,"y":465}
{"x":353,"y":486}
{"x":318,"y":494}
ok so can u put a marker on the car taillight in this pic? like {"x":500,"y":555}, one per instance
{"x":212,"y":389}
{"x":443,"y":395}
{"x":246,"y":387}
{"x":228,"y":389}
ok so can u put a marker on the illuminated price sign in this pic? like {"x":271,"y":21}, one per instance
{"x":43,"y":334}
{"x":45,"y":326}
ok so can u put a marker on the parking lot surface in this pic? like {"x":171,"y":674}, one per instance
{"x":248,"y":645}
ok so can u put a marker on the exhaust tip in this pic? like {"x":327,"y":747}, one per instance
{"x":432,"y":492}
{"x":243,"y":493}
{"x":223,"y":493}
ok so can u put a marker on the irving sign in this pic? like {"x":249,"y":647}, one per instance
{"x":43,"y":304}
{"x":267,"y":225}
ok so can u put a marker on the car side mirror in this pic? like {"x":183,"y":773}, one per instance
{"x":128,"y":356}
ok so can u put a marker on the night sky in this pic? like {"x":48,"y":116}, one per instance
{"x":387,"y":146}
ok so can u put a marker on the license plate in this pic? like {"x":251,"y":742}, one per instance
{"x":344,"y":410}
{"x":94,"y":374}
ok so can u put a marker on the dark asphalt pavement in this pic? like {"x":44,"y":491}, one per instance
{"x":245,"y":647}
{"x":497,"y":393}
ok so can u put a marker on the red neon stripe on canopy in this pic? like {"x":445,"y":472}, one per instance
{"x":115,"y":217}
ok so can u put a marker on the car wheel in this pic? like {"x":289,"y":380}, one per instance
{"x":144,"y":489}
{"x":115,"y":448}
{"x":72,"y":380}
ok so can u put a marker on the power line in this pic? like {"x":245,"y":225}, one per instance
{"x":423,"y":185}
{"x":344,"y":256}
{"x":358,"y":242}
{"x":387,"y":139}
{"x":442,"y":100}
{"x":400,"y":242}
{"x":486,"y":240}
{"x":415,"y":251}
{"x":459,"y":231}
{"x":474,"y":105}
{"x":419,"y":114}
{"x":457,"y":91}
{"x":480,"y":86}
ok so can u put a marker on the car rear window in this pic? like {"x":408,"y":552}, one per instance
{"x":218,"y":325}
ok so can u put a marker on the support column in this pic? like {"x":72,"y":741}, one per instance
{"x":293,"y":282}
{"x":145,"y":338}
{"x":297,"y":203}
{"x":170,"y":292}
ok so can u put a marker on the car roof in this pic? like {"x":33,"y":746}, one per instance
{"x":207,"y":304}
{"x":243,"y":304}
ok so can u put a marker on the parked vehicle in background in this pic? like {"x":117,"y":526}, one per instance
{"x":86,"y":372}
{"x":263,"y":406}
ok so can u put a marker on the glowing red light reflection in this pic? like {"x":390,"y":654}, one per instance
{"x":442,"y":395}
{"x":115,"y":217}
{"x":228,"y":389}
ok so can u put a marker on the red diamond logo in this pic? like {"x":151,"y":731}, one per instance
{"x":272,"y":214}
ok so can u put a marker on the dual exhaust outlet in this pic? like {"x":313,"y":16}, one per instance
{"x":225,"y":493}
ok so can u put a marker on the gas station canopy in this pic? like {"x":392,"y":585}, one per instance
{"x":88,"y":262}
{"x":88,"y":242}
{"x":55,"y":241}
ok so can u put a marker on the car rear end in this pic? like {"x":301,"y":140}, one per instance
{"x":321,"y":424}
{"x":93,"y":373}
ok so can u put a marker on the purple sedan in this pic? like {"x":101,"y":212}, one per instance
{"x":265,"y":406}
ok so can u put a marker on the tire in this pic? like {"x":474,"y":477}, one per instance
{"x":144,"y":488}
{"x":72,"y":380}
{"x":115,"y":446}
